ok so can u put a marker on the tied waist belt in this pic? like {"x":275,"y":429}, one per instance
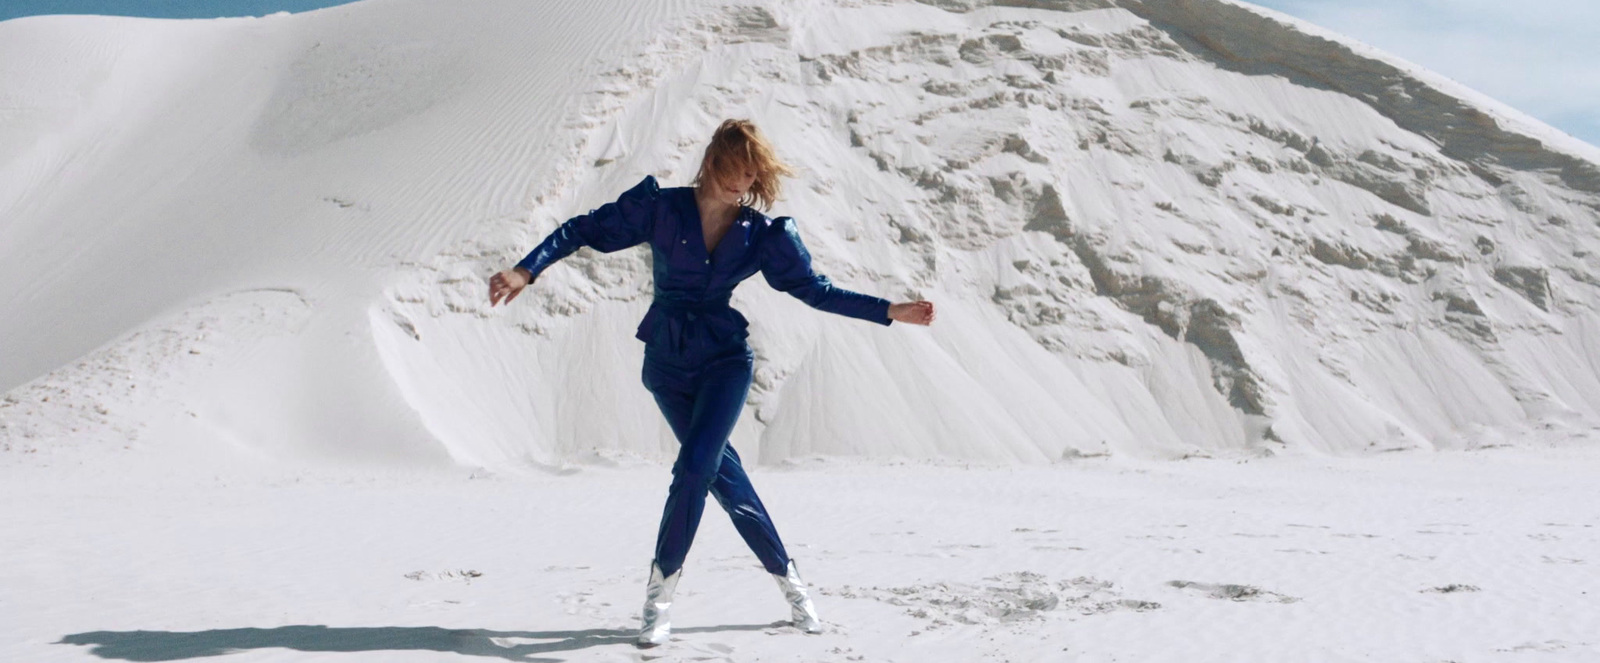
{"x":683,"y":325}
{"x":691,"y":305}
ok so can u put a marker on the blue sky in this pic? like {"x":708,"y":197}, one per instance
{"x":1540,"y":56}
{"x":161,"y":8}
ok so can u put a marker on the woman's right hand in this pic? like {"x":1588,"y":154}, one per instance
{"x":506,"y":285}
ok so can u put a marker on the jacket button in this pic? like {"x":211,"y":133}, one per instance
{"x":708,"y":262}
{"x":683,"y":241}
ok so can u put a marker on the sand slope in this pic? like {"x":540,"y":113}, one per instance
{"x":1157,"y":228}
{"x":1255,"y":344}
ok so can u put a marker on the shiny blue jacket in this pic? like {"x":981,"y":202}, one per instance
{"x":690,"y":315}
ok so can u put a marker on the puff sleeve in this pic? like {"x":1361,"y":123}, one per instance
{"x":611,"y":227}
{"x":786,"y":264}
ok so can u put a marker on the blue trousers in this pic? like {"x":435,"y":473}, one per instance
{"x":701,"y":402}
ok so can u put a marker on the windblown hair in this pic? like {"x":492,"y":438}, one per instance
{"x":738,"y":146}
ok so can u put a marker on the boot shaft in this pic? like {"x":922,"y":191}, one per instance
{"x":798,"y":596}
{"x":655,"y":620}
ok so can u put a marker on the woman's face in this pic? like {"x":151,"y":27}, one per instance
{"x":733,"y":188}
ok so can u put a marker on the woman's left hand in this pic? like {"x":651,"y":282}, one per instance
{"x":916,"y":313}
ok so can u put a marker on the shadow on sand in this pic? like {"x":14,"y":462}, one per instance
{"x":509,"y":645}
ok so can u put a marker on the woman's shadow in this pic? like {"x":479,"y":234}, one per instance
{"x":509,"y":645}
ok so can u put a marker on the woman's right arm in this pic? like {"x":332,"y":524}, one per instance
{"x":611,"y":227}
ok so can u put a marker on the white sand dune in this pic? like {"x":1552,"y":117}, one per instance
{"x":247,"y":355}
{"x":1158,"y":228}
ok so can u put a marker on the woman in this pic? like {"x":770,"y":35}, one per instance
{"x":705,"y":239}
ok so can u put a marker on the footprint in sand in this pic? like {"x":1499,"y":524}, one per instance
{"x":1446,"y":528}
{"x":435,"y":604}
{"x":687,"y":651}
{"x":458,"y":575}
{"x":1451,"y":589}
{"x":553,"y":569}
{"x":1001,"y":599}
{"x":1548,"y":646}
{"x":583,"y":603}
{"x":1232,"y":592}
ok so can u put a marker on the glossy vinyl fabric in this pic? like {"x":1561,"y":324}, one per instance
{"x":691,"y":316}
{"x":697,"y":364}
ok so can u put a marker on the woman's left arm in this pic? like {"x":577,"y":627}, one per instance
{"x":919,"y":312}
{"x":786,"y":264}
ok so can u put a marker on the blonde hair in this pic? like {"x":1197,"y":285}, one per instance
{"x":738,"y":146}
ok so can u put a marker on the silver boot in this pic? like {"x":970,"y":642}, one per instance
{"x":803,"y":614}
{"x":655,"y":622}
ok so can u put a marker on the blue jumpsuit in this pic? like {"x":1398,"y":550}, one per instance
{"x":696,"y":361}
